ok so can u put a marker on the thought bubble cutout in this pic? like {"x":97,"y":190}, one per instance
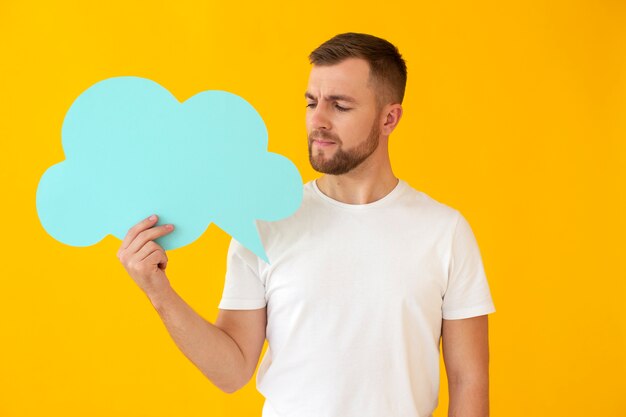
{"x":132,"y":149}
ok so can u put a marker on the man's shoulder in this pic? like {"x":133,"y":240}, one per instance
{"x":416,"y":199}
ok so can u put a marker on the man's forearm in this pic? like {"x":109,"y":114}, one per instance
{"x":469,"y":399}
{"x":209,"y":348}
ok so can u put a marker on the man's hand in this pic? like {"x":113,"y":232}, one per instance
{"x":145,"y":260}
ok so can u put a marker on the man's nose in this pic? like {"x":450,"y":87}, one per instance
{"x":319,"y":118}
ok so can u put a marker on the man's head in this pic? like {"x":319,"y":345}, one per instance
{"x":387,"y":67}
{"x":354,"y":97}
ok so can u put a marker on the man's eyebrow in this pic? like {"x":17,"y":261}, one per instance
{"x":335,"y":97}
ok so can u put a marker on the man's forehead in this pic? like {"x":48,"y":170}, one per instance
{"x":348,"y":78}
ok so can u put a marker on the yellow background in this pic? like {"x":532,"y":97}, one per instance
{"x":515,"y":115}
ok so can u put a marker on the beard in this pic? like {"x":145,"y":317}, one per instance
{"x":343,"y":161}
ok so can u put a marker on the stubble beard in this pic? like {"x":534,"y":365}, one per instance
{"x":342,"y":161}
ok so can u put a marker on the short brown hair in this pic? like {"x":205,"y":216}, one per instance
{"x":387,"y":67}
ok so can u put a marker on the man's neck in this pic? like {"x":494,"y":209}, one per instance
{"x":365,"y":184}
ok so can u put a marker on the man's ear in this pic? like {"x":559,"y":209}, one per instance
{"x":392,"y":114}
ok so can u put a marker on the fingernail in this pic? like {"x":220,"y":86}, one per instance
{"x":153,"y":217}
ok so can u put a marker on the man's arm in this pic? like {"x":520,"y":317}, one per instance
{"x":466,"y":356}
{"x":227,"y":353}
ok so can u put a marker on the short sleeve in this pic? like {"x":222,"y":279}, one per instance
{"x":243,"y":288}
{"x":467,"y":293}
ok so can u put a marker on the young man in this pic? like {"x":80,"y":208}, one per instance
{"x":365,"y":278}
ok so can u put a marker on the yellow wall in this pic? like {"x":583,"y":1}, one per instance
{"x":515,"y":115}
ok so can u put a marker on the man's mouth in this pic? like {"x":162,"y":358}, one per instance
{"x":322,"y":142}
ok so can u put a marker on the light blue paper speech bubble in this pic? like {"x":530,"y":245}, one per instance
{"x":132,"y":149}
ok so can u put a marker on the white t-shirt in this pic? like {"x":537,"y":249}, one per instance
{"x":355,"y":296}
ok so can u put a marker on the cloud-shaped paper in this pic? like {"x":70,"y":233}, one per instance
{"x":132,"y":149}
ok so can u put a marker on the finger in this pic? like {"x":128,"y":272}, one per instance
{"x":136,"y":229}
{"x":146,"y":250}
{"x":149,"y":235}
{"x":156,"y":258}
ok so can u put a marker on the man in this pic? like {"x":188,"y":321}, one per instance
{"x":364,"y":280}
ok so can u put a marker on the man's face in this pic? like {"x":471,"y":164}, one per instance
{"x":342,"y":116}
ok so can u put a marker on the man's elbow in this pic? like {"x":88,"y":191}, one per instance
{"x":234,"y":385}
{"x":474,"y":379}
{"x":229,"y":389}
